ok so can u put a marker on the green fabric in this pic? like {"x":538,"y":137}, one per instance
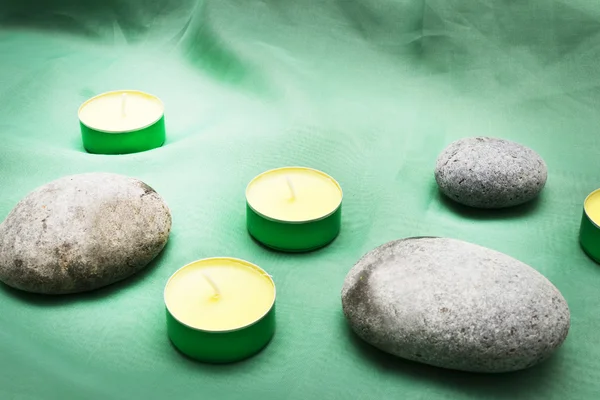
{"x":369,"y":91}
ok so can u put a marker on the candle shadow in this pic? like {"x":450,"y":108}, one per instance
{"x":519,"y":384}
{"x":93,"y":295}
{"x":482,"y":213}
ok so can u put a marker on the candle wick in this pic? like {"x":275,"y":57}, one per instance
{"x":123,"y":104}
{"x":291,"y":187}
{"x":212,"y":284}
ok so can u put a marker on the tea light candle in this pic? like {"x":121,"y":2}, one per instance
{"x":294,"y":209}
{"x":121,"y":122}
{"x":589,"y":233}
{"x":220,"y":309}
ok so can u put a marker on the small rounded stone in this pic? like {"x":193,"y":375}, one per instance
{"x":82,"y":232}
{"x":485,"y":172}
{"x":454,"y":304}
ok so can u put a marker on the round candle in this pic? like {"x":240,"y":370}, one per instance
{"x":293,"y":208}
{"x":589,"y":233}
{"x":123,"y":121}
{"x":220,"y":309}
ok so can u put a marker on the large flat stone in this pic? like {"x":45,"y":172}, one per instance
{"x":454,"y":304}
{"x":82,"y":232}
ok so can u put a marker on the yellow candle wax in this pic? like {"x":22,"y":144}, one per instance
{"x":294,"y":194}
{"x":121,"y":111}
{"x":219,"y":294}
{"x":592,"y":207}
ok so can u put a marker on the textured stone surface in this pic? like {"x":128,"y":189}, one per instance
{"x":490,"y":173}
{"x":453,"y":304}
{"x":82,"y":232}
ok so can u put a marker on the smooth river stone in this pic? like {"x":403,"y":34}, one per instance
{"x":486,"y":172}
{"x":454,"y":304}
{"x":82,"y":232}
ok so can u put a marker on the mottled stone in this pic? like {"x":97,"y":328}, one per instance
{"x":82,"y":232}
{"x":454,"y":304}
{"x":486,"y":172}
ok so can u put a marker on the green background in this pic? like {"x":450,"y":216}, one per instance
{"x":369,"y":91}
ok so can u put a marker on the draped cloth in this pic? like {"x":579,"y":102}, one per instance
{"x":369,"y":91}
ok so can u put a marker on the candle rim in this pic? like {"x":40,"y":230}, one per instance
{"x":247,"y":263}
{"x":304,"y":221}
{"x":585,"y":207}
{"x":122,"y":91}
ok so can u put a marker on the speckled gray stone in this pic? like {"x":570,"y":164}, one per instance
{"x":454,"y":304}
{"x":487,"y":172}
{"x":82,"y":232}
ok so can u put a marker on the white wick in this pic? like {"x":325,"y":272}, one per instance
{"x":123,"y":104}
{"x":212,"y":284}
{"x":291,"y":187}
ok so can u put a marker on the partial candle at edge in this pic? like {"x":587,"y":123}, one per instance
{"x":589,"y":232}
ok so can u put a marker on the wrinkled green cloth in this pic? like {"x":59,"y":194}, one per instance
{"x":369,"y":91}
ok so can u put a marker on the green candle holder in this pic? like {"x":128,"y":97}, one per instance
{"x":293,"y":237}
{"x":294,"y":209}
{"x":589,"y":232}
{"x":220,"y":345}
{"x":122,"y":122}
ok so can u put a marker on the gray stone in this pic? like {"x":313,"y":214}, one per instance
{"x":490,"y":173}
{"x":82,"y":232}
{"x":454,"y":304}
